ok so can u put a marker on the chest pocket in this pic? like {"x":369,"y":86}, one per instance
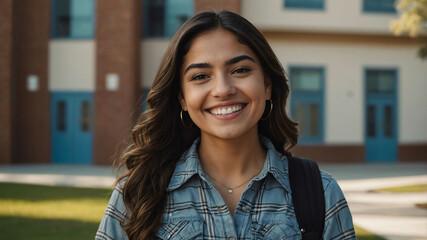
{"x":180,"y":230}
{"x":280,"y":231}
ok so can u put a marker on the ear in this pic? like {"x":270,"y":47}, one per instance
{"x":268,"y":88}
{"x":182,"y":101}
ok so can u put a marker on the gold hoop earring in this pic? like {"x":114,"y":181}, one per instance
{"x":269,"y":113}
{"x":182,"y":120}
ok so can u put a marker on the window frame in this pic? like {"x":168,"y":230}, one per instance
{"x":366,"y":8}
{"x":53,"y":18}
{"x":394,"y":70}
{"x":318,"y":5}
{"x":146,"y":23}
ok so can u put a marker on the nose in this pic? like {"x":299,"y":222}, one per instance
{"x":223,"y":86}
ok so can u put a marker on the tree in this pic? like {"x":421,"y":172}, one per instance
{"x":412,"y":21}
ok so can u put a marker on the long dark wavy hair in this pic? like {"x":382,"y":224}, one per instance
{"x":159,"y":138}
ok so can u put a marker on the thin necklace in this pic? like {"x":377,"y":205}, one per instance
{"x":230,"y":189}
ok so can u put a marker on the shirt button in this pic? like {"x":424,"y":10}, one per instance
{"x":245,"y":209}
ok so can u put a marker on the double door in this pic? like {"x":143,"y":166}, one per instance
{"x":72,"y":127}
{"x":381,"y":129}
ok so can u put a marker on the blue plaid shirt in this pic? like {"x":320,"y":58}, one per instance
{"x":196,"y":210}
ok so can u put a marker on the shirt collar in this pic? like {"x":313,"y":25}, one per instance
{"x":188,"y":165}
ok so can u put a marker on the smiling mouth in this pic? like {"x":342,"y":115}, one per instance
{"x":227,"y":109}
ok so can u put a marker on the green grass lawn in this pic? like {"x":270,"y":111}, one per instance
{"x":405,"y":189}
{"x":362,"y":234}
{"x":45,"y":212}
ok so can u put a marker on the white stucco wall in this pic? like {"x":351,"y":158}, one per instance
{"x":152,"y":51}
{"x":338,"y":16}
{"x":72,"y":65}
{"x":344,"y":65}
{"x":413,"y":100}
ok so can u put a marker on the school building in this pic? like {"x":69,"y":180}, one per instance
{"x":74,"y":73}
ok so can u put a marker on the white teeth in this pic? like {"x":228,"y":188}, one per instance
{"x":226,"y":110}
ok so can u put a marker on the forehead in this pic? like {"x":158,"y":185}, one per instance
{"x":215,"y":46}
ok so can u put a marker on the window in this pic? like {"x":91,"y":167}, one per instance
{"x":380,"y":81}
{"x":305,"y":4}
{"x":61,"y":116}
{"x":379,"y":6}
{"x":73,"y":18}
{"x":85,"y":116}
{"x":162,"y":18}
{"x":307,"y":94}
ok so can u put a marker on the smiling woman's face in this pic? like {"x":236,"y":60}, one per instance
{"x":223,"y":86}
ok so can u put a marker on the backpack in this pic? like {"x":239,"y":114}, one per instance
{"x":307,"y":196}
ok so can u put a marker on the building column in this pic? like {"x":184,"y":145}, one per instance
{"x":216,"y":5}
{"x":118,"y":35}
{"x":32,"y":103}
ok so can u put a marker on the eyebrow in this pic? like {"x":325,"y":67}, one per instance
{"x":227,"y":63}
{"x":238,"y":59}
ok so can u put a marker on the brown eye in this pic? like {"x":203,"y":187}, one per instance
{"x":200,"y":77}
{"x":242,"y":70}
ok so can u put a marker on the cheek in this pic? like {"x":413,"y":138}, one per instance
{"x":256,"y":89}
{"x":194,"y":100}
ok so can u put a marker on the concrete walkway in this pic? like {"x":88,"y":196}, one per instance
{"x":391,"y":215}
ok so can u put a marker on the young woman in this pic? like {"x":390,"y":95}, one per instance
{"x":209,"y":158}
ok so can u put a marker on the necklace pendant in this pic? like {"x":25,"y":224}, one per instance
{"x":230,"y":191}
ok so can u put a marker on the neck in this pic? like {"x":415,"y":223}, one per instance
{"x":231,"y":159}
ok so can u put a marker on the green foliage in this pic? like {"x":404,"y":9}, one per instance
{"x":412,"y":20}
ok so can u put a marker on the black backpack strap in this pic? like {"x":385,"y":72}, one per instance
{"x":307,"y":196}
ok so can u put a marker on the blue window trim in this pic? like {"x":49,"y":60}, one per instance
{"x":304,"y":4}
{"x":309,"y":96}
{"x":53,"y":23}
{"x":394,"y":95}
{"x":366,"y":8}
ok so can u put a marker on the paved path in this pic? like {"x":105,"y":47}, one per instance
{"x":392,"y":215}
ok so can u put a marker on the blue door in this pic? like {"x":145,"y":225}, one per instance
{"x":307,"y":102}
{"x":381,"y":116}
{"x":72,"y":127}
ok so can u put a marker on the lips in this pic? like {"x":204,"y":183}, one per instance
{"x":224,"y":110}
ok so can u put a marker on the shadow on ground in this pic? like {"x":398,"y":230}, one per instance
{"x":17,"y":228}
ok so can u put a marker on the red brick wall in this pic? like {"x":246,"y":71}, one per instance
{"x":118,"y":34}
{"x":331,"y":153}
{"x":412,"y":152}
{"x":208,"y":5}
{"x":33,"y":121}
{"x":6,"y":81}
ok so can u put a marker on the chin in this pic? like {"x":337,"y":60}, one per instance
{"x":229,"y":135}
